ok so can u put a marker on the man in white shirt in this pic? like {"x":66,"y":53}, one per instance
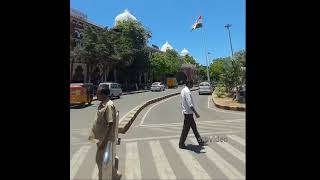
{"x":188,"y":110}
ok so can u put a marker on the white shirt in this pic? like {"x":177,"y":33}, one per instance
{"x":186,"y":101}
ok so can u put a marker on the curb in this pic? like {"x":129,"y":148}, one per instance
{"x":233,"y":108}
{"x":135,"y":92}
{"x":125,"y":124}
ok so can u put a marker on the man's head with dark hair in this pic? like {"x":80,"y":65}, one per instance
{"x":189,"y":83}
{"x":103,"y":93}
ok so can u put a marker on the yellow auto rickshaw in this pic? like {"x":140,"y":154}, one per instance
{"x":81,"y":93}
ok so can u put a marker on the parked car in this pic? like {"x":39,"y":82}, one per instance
{"x":205,"y":88}
{"x":157,"y":86}
{"x":115,"y":89}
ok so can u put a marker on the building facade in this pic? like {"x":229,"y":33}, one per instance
{"x":78,"y":22}
{"x":80,"y":72}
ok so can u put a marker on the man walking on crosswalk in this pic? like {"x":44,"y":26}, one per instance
{"x":188,"y":110}
{"x":103,"y":128}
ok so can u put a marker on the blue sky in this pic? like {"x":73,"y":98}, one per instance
{"x":171,"y":20}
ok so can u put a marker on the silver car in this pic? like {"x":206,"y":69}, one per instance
{"x":205,"y":88}
{"x":115,"y":89}
{"x":157,"y":86}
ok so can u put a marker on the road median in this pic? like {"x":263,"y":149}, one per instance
{"x":227,"y":103}
{"x":125,"y":124}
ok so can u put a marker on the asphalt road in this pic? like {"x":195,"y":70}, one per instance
{"x":81,"y":120}
{"x":149,"y":150}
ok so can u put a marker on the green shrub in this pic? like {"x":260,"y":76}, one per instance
{"x":220,"y":91}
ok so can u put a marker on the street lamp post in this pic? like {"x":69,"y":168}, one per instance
{"x":208,"y":76}
{"x":228,"y":27}
{"x":210,"y":61}
{"x":209,"y":57}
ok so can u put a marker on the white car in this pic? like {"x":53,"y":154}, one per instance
{"x":157,"y":86}
{"x":205,"y":88}
{"x":115,"y":89}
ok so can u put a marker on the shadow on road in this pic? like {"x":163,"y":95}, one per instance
{"x":195,"y":148}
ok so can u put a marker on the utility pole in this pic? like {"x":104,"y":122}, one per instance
{"x":228,"y":27}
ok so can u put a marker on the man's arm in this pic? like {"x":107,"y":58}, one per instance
{"x":110,"y":119}
{"x":195,"y":112}
{"x":108,"y":133}
{"x":188,"y":97}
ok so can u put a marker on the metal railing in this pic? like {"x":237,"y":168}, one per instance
{"x":110,"y":161}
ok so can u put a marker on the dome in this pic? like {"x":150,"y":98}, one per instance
{"x":184,"y":52}
{"x":166,"y":46}
{"x":125,"y":16}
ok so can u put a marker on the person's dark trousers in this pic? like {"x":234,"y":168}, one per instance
{"x":189,"y":122}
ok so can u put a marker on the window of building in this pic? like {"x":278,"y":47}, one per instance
{"x":76,"y":34}
{"x":80,"y":24}
{"x":74,"y":22}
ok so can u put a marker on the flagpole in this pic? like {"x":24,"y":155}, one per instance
{"x":206,"y":54}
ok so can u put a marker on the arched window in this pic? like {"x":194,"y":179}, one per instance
{"x":76,"y":35}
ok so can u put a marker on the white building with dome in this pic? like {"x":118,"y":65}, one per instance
{"x":166,"y":46}
{"x":185,"y":52}
{"x":125,"y":16}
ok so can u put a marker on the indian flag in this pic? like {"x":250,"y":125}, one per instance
{"x":197,"y":24}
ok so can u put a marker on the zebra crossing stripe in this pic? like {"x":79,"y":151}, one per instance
{"x":232,"y":124}
{"x":161,"y":125}
{"x":161,"y":162}
{"x":177,"y":136}
{"x":166,"y":130}
{"x":189,"y":161}
{"x":222,"y":164}
{"x":176,"y":128}
{"x":237,"y":139}
{"x":77,"y":160}
{"x":180,"y":124}
{"x":95,"y":175}
{"x":223,"y":125}
{"x":235,"y":152}
{"x":132,"y":163}
{"x":210,"y":128}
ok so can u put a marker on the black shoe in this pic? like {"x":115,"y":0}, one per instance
{"x":182,"y":146}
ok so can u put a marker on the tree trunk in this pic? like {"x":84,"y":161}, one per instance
{"x":88,"y":73}
{"x":106,"y":73}
{"x":115,"y":74}
{"x":140,"y":75}
{"x":90,"y":68}
{"x":237,"y":95}
{"x":71,"y":70}
{"x":146,"y":77}
{"x":126,"y":82}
